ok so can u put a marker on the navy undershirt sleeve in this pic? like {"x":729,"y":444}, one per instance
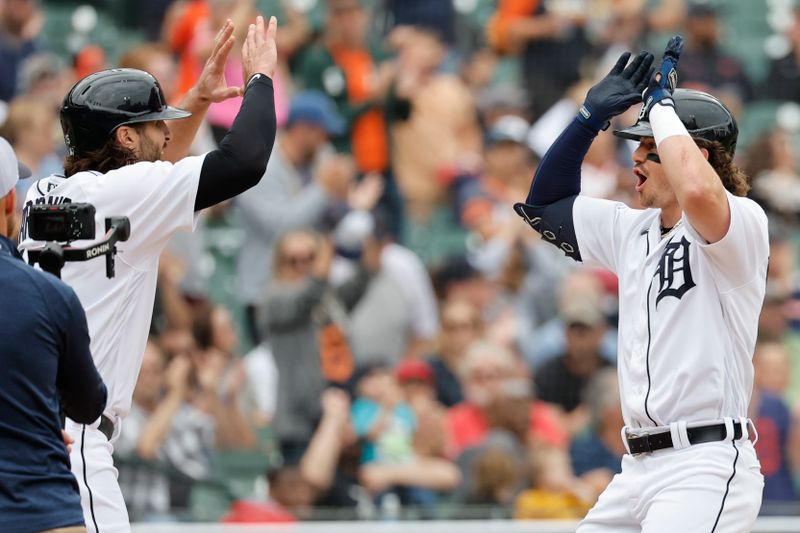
{"x":559,"y":173}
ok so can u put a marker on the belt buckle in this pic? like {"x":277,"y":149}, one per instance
{"x":646,"y":443}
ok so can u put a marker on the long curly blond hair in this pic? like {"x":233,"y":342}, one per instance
{"x":733,"y":178}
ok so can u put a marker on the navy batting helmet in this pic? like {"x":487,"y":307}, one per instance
{"x":704,"y":116}
{"x":101,"y":102}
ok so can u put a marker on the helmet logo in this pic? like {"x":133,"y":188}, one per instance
{"x":673,"y":78}
{"x":643,"y":110}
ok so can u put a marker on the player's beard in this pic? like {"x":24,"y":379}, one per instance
{"x":647,"y":199}
{"x":149,"y":150}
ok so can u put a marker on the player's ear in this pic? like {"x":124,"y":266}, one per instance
{"x":705,"y":152}
{"x":126,"y":137}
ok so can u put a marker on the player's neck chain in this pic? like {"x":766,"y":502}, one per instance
{"x":667,"y":231}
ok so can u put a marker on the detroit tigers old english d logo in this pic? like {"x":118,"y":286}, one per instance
{"x":674,"y":261}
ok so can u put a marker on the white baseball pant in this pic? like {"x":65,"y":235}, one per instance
{"x":713,"y":487}
{"x":93,"y":466}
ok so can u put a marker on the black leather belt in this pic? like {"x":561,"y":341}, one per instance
{"x":106,"y":426}
{"x":697,"y":435}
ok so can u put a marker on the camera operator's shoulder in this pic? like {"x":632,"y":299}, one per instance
{"x":48,"y":287}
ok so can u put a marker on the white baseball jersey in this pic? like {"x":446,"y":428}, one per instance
{"x":688,"y":310}
{"x":158,"y":198}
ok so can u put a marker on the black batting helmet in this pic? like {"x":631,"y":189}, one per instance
{"x":101,"y":102}
{"x":704,"y":116}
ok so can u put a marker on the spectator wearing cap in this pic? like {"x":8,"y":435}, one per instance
{"x":416,"y":380}
{"x":356,"y":74}
{"x":562,"y":380}
{"x":301,"y":183}
{"x":508,"y":164}
{"x":347,"y":68}
{"x":46,"y":366}
{"x":397,"y":317}
{"x":548,"y":340}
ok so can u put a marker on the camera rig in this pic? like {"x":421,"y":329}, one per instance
{"x":60,"y":224}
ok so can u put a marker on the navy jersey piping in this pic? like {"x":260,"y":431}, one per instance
{"x":649,"y":337}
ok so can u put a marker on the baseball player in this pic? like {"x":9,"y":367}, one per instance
{"x":120,"y":148}
{"x":692,"y":276}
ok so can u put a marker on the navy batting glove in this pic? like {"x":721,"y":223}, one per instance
{"x":615,"y":93}
{"x":662,"y":84}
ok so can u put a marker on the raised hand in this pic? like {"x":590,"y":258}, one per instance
{"x":663,"y":82}
{"x":364,"y":195}
{"x":619,"y":90}
{"x":211,"y":85}
{"x":176,"y":375}
{"x":259,"y":52}
{"x":335,"y":404}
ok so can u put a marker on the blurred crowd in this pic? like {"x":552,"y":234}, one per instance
{"x":371,"y":332}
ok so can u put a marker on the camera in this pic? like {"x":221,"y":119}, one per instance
{"x":59,"y":224}
{"x":62,"y":222}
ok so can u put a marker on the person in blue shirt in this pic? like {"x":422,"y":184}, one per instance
{"x":47,"y":367}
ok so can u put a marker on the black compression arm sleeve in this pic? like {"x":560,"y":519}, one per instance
{"x":242,"y":156}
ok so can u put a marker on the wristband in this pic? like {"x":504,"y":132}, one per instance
{"x":665,"y":123}
{"x":254,"y":78}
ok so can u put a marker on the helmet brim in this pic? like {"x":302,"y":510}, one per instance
{"x":168,"y":113}
{"x":635,"y":132}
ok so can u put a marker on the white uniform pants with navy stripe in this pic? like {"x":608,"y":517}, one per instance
{"x":101,"y":498}
{"x":706,"y":488}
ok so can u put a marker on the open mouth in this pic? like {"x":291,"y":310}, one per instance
{"x":640,"y":179}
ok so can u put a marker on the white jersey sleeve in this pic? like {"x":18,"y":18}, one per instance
{"x":739,"y":256}
{"x":600,"y":227}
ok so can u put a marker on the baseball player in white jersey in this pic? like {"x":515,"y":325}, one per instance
{"x":692,"y":275}
{"x":125,"y":161}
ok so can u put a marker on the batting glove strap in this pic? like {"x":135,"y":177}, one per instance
{"x":651,"y":98}
{"x":592,"y":120}
{"x":662,"y":84}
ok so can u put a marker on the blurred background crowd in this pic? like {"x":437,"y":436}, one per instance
{"x":371,"y":332}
